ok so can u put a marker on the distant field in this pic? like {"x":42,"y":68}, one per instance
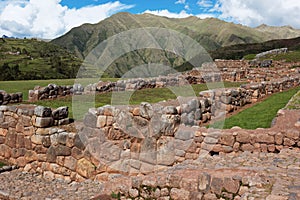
{"x":261,"y":114}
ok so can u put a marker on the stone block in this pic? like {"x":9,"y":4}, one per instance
{"x":226,"y":139}
{"x":11,"y":139}
{"x":279,"y":138}
{"x":204,"y":182}
{"x":90,"y":120}
{"x":41,"y":111}
{"x":146,"y":110}
{"x":101,"y":121}
{"x":70,"y":163}
{"x":288,"y":142}
{"x":43,"y":122}
{"x":243,"y":137}
{"x":231,"y":186}
{"x":85,"y":168}
{"x":37,"y":139}
{"x":217,"y":185}
{"x":179,"y":194}
{"x":265,"y":138}
{"x":60,"y":113}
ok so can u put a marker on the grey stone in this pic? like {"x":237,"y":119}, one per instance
{"x":170,"y":110}
{"x":90,"y":120}
{"x":184,"y":134}
{"x":60,"y":113}
{"x":43,"y":122}
{"x":41,"y":111}
{"x":146,"y":110}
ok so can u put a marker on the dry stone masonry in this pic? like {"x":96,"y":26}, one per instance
{"x":53,"y":91}
{"x":6,"y":98}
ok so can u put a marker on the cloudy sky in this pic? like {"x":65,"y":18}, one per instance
{"x":52,"y":18}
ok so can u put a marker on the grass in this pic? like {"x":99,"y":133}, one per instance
{"x":2,"y":164}
{"x":121,"y":98}
{"x":261,"y":114}
{"x":294,"y":103}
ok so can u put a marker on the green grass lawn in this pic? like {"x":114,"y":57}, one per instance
{"x":261,"y":114}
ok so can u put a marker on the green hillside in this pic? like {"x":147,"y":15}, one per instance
{"x":241,"y":50}
{"x":211,"y":33}
{"x":28,"y":59}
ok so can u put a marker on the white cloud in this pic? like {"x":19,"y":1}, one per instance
{"x":205,"y":3}
{"x":180,"y":2}
{"x":166,"y":13}
{"x":205,"y":15}
{"x":48,"y":18}
{"x":256,"y":12}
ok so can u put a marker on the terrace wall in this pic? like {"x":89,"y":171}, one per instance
{"x":135,"y":140}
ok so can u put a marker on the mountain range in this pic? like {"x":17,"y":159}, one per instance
{"x":213,"y":34}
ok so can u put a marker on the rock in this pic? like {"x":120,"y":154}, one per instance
{"x":90,"y":120}
{"x":203,"y":182}
{"x":43,"y":122}
{"x":171,"y":110}
{"x":85,"y":168}
{"x":101,"y":121}
{"x":60,"y":113}
{"x":231,"y":186}
{"x":217,"y":185}
{"x":146,"y":110}
{"x":41,"y":111}
{"x":179,"y":194}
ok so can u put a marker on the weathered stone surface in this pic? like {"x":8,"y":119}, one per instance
{"x":41,"y":111}
{"x":265,"y":138}
{"x":60,"y":113}
{"x":43,"y":122}
{"x":85,"y":168}
{"x":62,"y":150}
{"x":231,"y":185}
{"x":217,"y":185}
{"x":179,"y":194}
{"x":90,"y":120}
{"x":70,"y":163}
{"x":184,"y":134}
{"x":146,"y":110}
{"x":204,"y":182}
{"x":101,"y":121}
{"x":243,"y":137}
{"x":279,"y":138}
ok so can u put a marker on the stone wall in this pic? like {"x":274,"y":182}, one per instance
{"x":136,"y":139}
{"x":6,"y":98}
{"x":53,"y":91}
{"x":95,"y":154}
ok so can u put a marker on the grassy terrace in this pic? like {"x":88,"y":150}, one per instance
{"x":261,"y":114}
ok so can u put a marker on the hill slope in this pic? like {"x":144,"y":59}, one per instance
{"x":241,"y":50}
{"x":25,"y":59}
{"x":211,"y":33}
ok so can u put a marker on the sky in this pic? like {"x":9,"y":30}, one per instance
{"x":49,"y":19}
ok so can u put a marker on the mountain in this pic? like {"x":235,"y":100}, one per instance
{"x":211,"y":33}
{"x":27,"y":59}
